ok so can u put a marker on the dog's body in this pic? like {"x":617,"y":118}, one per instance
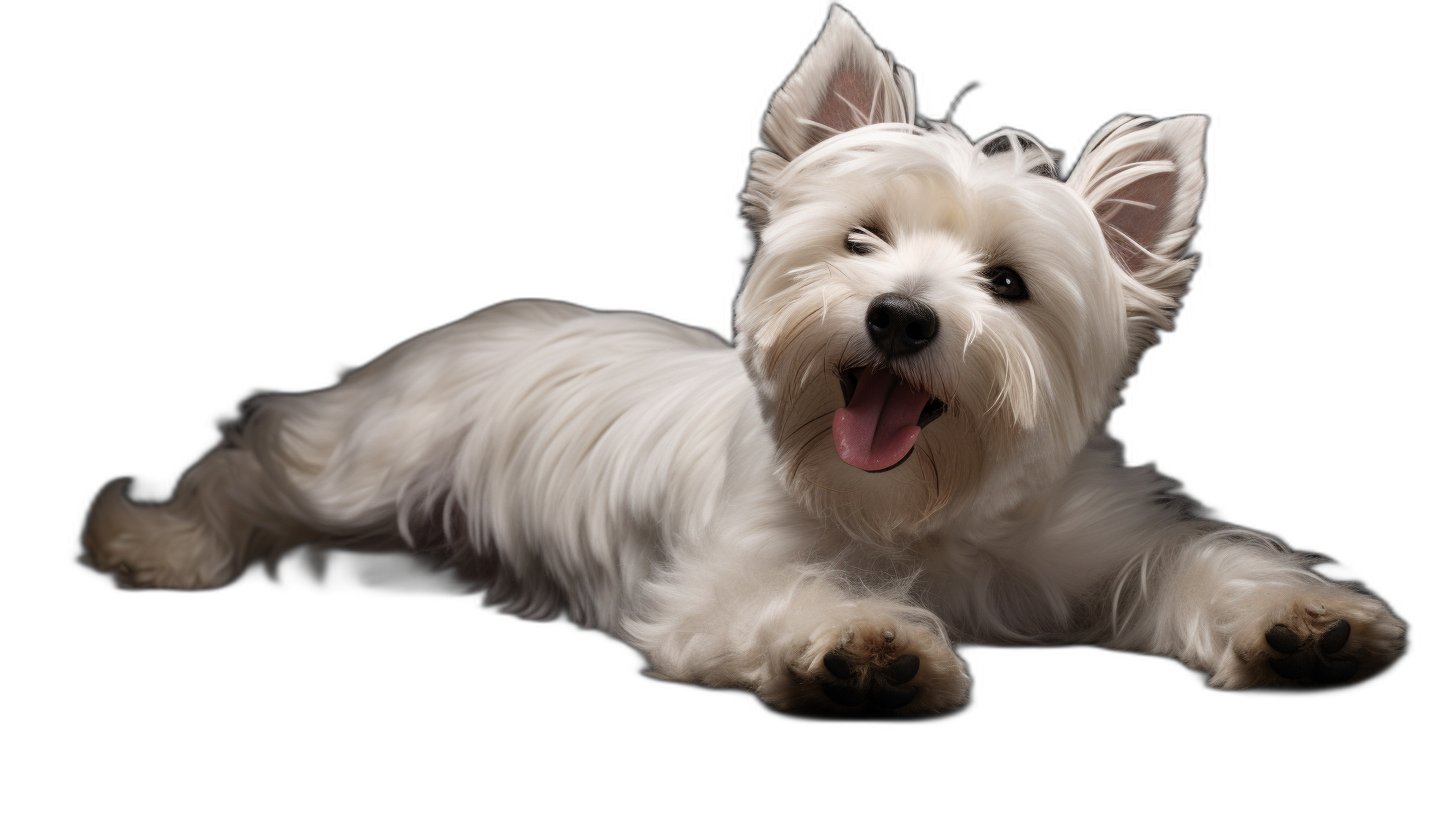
{"x":903,"y":451}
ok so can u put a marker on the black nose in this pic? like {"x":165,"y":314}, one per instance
{"x":900,"y":325}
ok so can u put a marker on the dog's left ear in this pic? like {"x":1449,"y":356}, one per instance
{"x":1143,"y":178}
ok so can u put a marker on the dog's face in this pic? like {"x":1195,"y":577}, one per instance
{"x":936,"y":325}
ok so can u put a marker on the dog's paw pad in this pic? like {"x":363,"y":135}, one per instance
{"x":1297,"y":666}
{"x":893,"y":697}
{"x":1310,"y":658}
{"x":1336,"y":671}
{"x":874,"y":664}
{"x":1335,"y":639}
{"x":1307,"y":635}
{"x":1282,"y":639}
{"x":902,"y":669}
{"x":871,"y":675}
{"x":838,"y":665}
{"x":845,"y":694}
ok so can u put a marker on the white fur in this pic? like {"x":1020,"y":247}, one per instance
{"x":653,"y":481}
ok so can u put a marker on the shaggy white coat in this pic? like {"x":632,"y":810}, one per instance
{"x":651,"y":480}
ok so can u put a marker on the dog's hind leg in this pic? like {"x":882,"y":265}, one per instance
{"x":195,"y":540}
{"x":241,"y":502}
{"x":371,"y":459}
{"x":192,"y":541}
{"x":313,"y":467}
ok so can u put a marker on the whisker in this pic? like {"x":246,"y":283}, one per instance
{"x":810,"y":421}
{"x":783,"y":344}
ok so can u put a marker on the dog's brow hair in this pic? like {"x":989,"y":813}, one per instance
{"x":875,"y":230}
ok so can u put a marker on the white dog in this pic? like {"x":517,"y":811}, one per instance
{"x":904,"y":448}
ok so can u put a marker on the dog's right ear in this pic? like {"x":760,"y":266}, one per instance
{"x":843,"y":82}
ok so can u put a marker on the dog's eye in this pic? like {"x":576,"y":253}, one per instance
{"x":1006,"y":283}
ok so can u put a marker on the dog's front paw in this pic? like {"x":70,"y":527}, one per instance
{"x":874,"y":666}
{"x":1324,"y":635}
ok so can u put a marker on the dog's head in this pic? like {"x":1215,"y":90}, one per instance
{"x":933,"y":324}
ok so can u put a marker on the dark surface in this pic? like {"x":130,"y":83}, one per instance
{"x":264,"y":204}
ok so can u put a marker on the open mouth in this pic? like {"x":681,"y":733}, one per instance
{"x":882,"y":416}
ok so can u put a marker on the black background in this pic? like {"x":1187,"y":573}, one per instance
{"x":236,"y":206}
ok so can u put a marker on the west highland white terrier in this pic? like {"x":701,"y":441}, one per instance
{"x":903,"y":449}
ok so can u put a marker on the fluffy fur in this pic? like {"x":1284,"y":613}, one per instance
{"x":690,"y":496}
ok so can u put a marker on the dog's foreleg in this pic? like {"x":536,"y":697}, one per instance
{"x":1242,"y":607}
{"x":799,"y":636}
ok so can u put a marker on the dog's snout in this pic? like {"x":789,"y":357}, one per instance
{"x":900,"y":325}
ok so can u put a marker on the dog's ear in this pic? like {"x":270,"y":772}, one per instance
{"x":1143,"y":178}
{"x":843,"y":82}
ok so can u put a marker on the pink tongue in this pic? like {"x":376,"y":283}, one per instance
{"x":878,"y":427}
